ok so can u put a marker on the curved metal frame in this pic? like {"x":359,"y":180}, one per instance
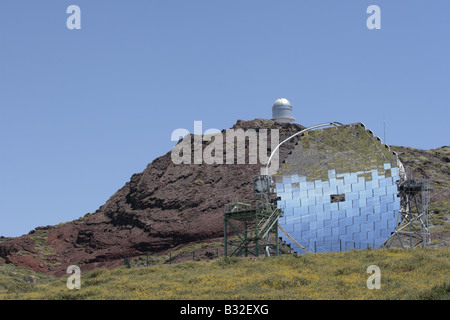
{"x":336,"y":124}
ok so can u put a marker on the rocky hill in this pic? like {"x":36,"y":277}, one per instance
{"x":171,"y":205}
{"x":159,"y":209}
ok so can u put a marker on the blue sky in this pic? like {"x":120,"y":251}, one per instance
{"x":82,"y":110}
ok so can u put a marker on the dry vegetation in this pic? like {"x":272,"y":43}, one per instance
{"x":405,"y":274}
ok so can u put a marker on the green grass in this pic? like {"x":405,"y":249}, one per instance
{"x":405,"y":274}
{"x":16,"y":280}
{"x":439,"y":216}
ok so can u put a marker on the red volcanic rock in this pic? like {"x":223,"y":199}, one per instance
{"x":165,"y":206}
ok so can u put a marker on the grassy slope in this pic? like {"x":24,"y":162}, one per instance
{"x":405,"y":274}
{"x":15,"y":280}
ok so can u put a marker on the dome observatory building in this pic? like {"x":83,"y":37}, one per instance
{"x":282,"y":111}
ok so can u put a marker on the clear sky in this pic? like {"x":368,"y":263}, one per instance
{"x":83,"y":110}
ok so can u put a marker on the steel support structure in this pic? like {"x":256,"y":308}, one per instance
{"x":251,"y":228}
{"x":412,"y":229}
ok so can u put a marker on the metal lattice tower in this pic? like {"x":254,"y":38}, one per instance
{"x":412,"y":229}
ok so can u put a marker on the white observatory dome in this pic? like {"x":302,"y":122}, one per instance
{"x":282,"y":111}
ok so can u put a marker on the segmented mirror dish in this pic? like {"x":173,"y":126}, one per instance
{"x":338,"y":190}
